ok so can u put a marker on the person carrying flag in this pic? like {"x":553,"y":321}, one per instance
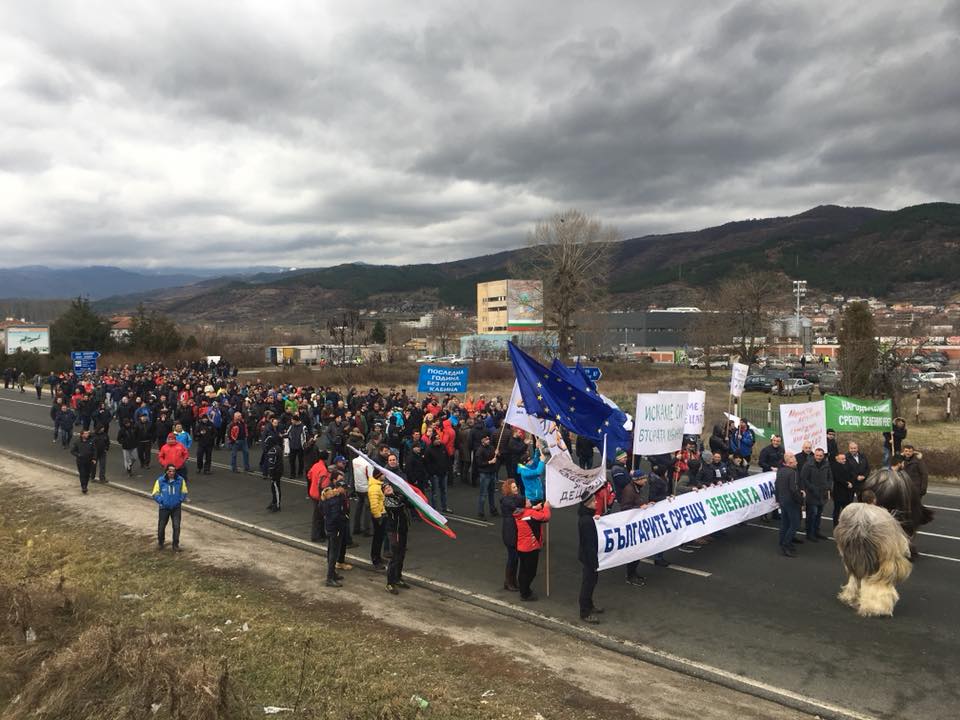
{"x":398,"y":526}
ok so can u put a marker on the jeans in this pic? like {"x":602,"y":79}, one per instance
{"x":66,"y":435}
{"x":167,"y":514}
{"x":398,"y":543}
{"x":438,"y":483}
{"x":588,"y":582}
{"x":789,"y":523}
{"x":296,"y":462}
{"x":814,"y":513}
{"x":527,"y":572}
{"x":204,"y":458}
{"x":102,"y":466}
{"x":886,"y":456}
{"x":128,"y":456}
{"x":334,"y":545}
{"x":487,"y":484}
{"x":143,"y":453}
{"x":240,"y":446}
{"x":361,"y":517}
{"x":513,"y":560}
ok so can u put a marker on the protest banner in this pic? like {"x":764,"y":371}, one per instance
{"x":800,"y":422}
{"x":566,"y":481}
{"x":442,"y":379}
{"x":635,"y":534}
{"x":696,"y":411}
{"x":659,"y":423}
{"x":738,"y":378}
{"x":846,"y":414}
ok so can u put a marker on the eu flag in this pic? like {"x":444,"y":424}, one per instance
{"x":618,"y":437}
{"x":551,"y":396}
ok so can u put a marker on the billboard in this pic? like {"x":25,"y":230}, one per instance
{"x":524,"y":302}
{"x":28,"y":339}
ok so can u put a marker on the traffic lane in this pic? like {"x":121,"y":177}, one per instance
{"x":737,"y":621}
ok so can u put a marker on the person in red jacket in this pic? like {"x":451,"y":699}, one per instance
{"x":173,"y":453}
{"x":529,"y":520}
{"x":318,"y":480}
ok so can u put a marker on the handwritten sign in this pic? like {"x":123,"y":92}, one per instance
{"x":659,"y":423}
{"x":738,"y":378}
{"x":801,"y":422}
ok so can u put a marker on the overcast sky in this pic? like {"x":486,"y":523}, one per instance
{"x":309,"y":133}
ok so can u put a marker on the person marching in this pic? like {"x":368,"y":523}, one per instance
{"x":332,"y":501}
{"x":83,"y":449}
{"x":587,"y":554}
{"x":170,"y":492}
{"x":398,"y":526}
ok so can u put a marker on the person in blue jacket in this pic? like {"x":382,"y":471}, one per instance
{"x":170,"y":492}
{"x":531,"y":476}
{"x":741,"y":443}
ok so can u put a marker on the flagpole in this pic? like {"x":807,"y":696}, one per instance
{"x":546,"y":537}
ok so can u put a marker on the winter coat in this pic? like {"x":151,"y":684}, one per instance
{"x":509,"y":504}
{"x":529,"y":532}
{"x":587,"y":537}
{"x":619,"y":478}
{"x":718,"y":443}
{"x":741,"y":443}
{"x":168,"y":493}
{"x":816,"y":480}
{"x":127,"y":437}
{"x":145,"y":432}
{"x":531,"y":475}
{"x":917,"y":470}
{"x":375,"y":497}
{"x":770,"y":458}
{"x":318,"y":477}
{"x":334,"y":513}
{"x":842,"y":482}
{"x":175,"y":454}
{"x":83,"y":450}
{"x":787,"y":487}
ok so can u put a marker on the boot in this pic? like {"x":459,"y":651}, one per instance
{"x":509,"y":582}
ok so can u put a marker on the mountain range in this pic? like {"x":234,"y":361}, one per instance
{"x":909,"y":254}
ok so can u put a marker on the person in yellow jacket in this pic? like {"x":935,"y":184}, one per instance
{"x":379,"y":514}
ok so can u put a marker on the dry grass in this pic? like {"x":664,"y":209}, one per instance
{"x":121,"y":630}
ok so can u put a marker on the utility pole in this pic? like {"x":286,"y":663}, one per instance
{"x":799,"y":289}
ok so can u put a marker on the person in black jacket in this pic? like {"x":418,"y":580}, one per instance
{"x":127,"y":437}
{"x":816,"y":481}
{"x":859,"y":467}
{"x":205,"y":435}
{"x":334,"y":522}
{"x":82,"y":448}
{"x":771,"y":457}
{"x":145,"y":435}
{"x":271,"y":464}
{"x":790,"y":498}
{"x":587,"y":554}
{"x":842,"y":485}
{"x":297,"y":438}
{"x":510,"y":501}
{"x":398,"y":526}
{"x":719,"y":443}
{"x":101,"y":443}
{"x":584,"y":448}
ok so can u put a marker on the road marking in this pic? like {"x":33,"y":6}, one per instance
{"x":27,"y":402}
{"x":48,"y":428}
{"x":799,"y":532}
{"x":919,"y":532}
{"x":939,"y":507}
{"x":681,"y":568}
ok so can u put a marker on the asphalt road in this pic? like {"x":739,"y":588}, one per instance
{"x":736,"y":604}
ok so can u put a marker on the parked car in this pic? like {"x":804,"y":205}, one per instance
{"x":427,"y":359}
{"x":811,"y":374}
{"x":938,"y":380}
{"x":829,"y":381}
{"x":775,"y":364}
{"x":795,"y":386}
{"x":910,"y":383}
{"x":758,"y":383}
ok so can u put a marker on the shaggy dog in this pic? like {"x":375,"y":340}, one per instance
{"x":897,"y":493}
{"x":876,"y":555}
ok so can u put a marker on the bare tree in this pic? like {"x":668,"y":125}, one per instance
{"x":348,"y":326}
{"x":710,"y":330}
{"x":444,"y":326}
{"x":570,"y":254}
{"x":748,"y":298}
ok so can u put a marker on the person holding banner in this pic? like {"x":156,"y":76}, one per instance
{"x":529,"y":521}
{"x":531,"y":476}
{"x":587,"y":554}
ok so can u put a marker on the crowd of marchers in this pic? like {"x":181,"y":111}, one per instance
{"x":177,"y":416}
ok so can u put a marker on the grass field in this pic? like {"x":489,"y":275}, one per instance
{"x":112,"y":630}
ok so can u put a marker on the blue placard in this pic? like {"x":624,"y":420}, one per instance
{"x":442,"y":379}
{"x":84,"y":361}
{"x":593,"y":373}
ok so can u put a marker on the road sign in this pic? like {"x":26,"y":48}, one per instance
{"x":593,"y":373}
{"x":84,"y":361}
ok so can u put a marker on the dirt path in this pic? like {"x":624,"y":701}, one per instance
{"x":648,"y":689}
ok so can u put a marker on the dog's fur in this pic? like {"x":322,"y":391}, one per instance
{"x":876,"y":555}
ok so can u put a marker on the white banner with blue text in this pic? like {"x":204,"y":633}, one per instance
{"x":636,"y":534}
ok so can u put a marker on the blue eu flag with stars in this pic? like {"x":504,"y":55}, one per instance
{"x":551,"y":396}
{"x":618,"y":437}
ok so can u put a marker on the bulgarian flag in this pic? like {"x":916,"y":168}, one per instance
{"x":413,"y":494}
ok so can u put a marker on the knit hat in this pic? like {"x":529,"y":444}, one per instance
{"x":621,"y":455}
{"x":171,"y":436}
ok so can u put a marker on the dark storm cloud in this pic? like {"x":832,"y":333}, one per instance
{"x":303,"y":134}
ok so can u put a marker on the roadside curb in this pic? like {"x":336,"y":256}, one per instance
{"x":668,"y":661}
